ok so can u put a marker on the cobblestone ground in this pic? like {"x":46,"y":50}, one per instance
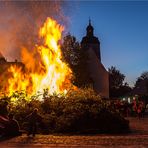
{"x":137,"y":139}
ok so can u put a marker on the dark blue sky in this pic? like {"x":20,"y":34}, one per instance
{"x":122,"y":28}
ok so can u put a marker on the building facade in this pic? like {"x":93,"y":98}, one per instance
{"x":97,"y":73}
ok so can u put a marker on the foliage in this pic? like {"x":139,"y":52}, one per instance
{"x":116,"y":78}
{"x":144,"y":76}
{"x":71,"y":50}
{"x":142,"y":81}
{"x":117,"y":87}
{"x":76,"y":59}
{"x":80,"y":111}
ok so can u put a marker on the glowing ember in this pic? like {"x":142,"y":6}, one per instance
{"x":43,"y":66}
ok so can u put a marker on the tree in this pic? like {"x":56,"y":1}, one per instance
{"x":143,"y":77}
{"x":76,"y":59}
{"x":117,"y":87}
{"x":142,"y":82}
{"x":70,"y":50}
{"x":116,"y":78}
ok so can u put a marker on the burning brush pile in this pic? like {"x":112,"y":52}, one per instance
{"x":44,"y":68}
{"x":45,"y":83}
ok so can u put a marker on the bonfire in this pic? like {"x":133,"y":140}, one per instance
{"x":44,"y":68}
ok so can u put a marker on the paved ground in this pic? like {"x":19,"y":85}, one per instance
{"x":137,"y":139}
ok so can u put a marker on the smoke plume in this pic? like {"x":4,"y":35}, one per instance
{"x":20,"y":21}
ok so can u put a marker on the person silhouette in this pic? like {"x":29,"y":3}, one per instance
{"x":33,"y":118}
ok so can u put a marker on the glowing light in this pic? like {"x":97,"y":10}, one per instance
{"x":44,"y":68}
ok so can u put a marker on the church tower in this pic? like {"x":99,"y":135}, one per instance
{"x":97,"y":73}
{"x":90,"y":41}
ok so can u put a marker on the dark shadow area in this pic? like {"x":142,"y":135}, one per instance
{"x":7,"y":138}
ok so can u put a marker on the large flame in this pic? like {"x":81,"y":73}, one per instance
{"x":44,"y":68}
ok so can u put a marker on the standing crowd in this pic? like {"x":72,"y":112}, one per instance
{"x":135,"y":108}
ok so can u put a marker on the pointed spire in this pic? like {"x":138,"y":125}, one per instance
{"x":89,"y":21}
{"x":89,"y":29}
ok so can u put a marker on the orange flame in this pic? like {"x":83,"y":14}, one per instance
{"x":44,"y":68}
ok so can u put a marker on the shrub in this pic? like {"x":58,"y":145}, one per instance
{"x":80,"y":111}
